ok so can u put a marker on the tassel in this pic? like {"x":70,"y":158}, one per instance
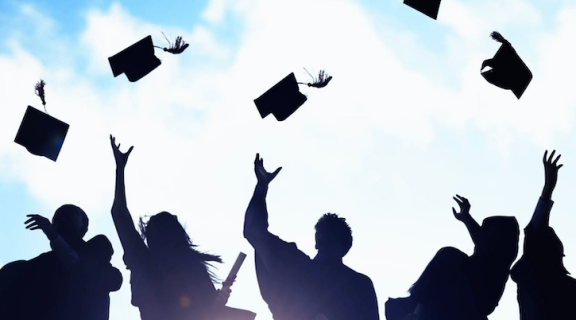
{"x":178,"y":47}
{"x":498,"y":37}
{"x":39,"y":90}
{"x":319,"y":82}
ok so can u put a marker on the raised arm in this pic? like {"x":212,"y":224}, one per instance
{"x":127,"y":233}
{"x":464,"y":216}
{"x":256,"y":218}
{"x":541,"y":217}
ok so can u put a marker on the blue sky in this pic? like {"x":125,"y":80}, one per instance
{"x":406,"y":123}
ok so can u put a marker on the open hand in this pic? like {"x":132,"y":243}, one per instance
{"x":121,"y":158}
{"x":551,"y":168}
{"x":464,"y":205}
{"x":39,"y":222}
{"x":264,"y":177}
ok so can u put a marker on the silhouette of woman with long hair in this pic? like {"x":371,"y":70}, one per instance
{"x":170,"y":279}
{"x":545,"y":289}
{"x":454,"y":286}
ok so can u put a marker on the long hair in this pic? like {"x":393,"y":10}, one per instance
{"x":163,"y":230}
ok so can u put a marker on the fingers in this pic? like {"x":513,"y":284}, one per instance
{"x":129,"y":150}
{"x":557,"y":158}
{"x":545,"y":155}
{"x":551,"y":156}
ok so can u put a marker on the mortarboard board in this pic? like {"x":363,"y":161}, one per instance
{"x":508,"y":70}
{"x":427,"y":7}
{"x":42,"y":134}
{"x":135,"y":61}
{"x":282,"y":100}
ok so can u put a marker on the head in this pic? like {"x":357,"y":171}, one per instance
{"x":167,"y":238}
{"x":71,"y":222}
{"x":164,"y":231}
{"x":100,"y":248}
{"x":333,"y":236}
{"x":503,"y":234}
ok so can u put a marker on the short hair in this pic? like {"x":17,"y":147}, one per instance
{"x":336,"y":231}
{"x":68,"y":209}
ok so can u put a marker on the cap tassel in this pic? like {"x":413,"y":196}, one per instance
{"x":498,"y":37}
{"x":178,"y":47}
{"x":39,"y":90}
{"x":319,"y":82}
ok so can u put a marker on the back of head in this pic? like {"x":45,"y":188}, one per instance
{"x":503,"y":235}
{"x":71,"y":222}
{"x":100,"y":248}
{"x":333,"y":235}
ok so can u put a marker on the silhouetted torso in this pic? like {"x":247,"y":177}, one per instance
{"x":42,"y":288}
{"x":297,"y":287}
{"x":545,"y":291}
{"x":170,"y":286}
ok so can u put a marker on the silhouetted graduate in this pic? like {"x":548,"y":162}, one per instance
{"x":62,"y":284}
{"x":40,"y":133}
{"x":507,"y":71}
{"x":138,"y":60}
{"x":545,"y":289}
{"x":297,"y":287}
{"x":170,"y":279}
{"x":427,"y":7}
{"x":455,"y":286}
{"x":284,"y":98}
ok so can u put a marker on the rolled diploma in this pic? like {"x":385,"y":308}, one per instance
{"x":236,"y":267}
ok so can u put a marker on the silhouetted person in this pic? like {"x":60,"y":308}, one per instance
{"x":170,"y":279}
{"x":455,"y":286}
{"x":60,"y":284}
{"x":545,"y":291}
{"x":297,"y":287}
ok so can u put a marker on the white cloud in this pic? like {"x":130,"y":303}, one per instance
{"x":361,"y":146}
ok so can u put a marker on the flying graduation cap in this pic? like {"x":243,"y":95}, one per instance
{"x":507,"y":71}
{"x":284,"y":98}
{"x":40,"y":133}
{"x":138,"y":60}
{"x":427,"y":7}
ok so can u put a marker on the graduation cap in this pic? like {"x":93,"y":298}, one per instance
{"x":40,"y":133}
{"x":427,"y":7}
{"x":507,"y":71}
{"x":284,"y":98}
{"x":138,"y":60}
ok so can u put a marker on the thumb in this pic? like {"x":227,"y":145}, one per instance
{"x":275,"y":173}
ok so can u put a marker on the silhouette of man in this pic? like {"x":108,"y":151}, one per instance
{"x":297,"y":287}
{"x":56,"y":284}
{"x":545,"y":290}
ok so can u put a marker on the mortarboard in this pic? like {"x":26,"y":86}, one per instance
{"x":508,"y":70}
{"x":42,"y":134}
{"x":136,"y":61}
{"x":284,"y":98}
{"x":427,"y":7}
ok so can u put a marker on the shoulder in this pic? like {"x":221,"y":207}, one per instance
{"x":358,"y":277}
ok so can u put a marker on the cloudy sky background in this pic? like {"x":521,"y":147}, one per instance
{"x":406,"y":123}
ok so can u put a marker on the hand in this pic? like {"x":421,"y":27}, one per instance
{"x":121,"y":158}
{"x":222,"y":296}
{"x":264,"y":177}
{"x":39,"y":222}
{"x":464,"y":205}
{"x":551,"y":173}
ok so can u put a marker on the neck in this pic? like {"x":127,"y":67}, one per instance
{"x":328,"y":258}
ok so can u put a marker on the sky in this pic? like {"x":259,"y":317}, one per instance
{"x":406,"y":123}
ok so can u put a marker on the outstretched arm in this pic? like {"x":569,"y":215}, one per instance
{"x":67,"y":256}
{"x":464,"y":216}
{"x":541,"y":217}
{"x":129,"y":237}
